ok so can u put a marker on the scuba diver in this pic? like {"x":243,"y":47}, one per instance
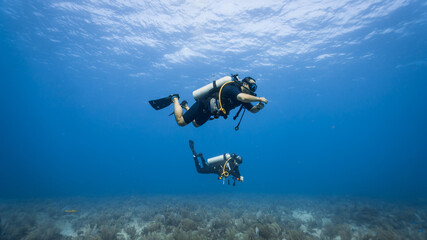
{"x":224,"y":165}
{"x":214,"y":100}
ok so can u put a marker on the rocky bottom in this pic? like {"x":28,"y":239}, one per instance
{"x":212,"y":217}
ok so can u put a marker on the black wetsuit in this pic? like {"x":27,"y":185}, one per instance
{"x":200,"y":110}
{"x":232,"y":166}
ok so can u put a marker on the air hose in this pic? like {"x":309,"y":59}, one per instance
{"x":225,"y":173}
{"x":219,"y":97}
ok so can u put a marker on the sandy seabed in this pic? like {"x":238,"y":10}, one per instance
{"x":212,"y":217}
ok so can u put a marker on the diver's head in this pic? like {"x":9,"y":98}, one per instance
{"x":238,"y":159}
{"x":249,"y":84}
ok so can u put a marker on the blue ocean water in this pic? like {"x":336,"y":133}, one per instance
{"x":345,"y":81}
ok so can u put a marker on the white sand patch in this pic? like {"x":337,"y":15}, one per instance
{"x":66,"y":229}
{"x":122,"y":235}
{"x":304,"y":216}
{"x":139,"y":227}
{"x":317,"y":232}
{"x":326,"y":221}
{"x":362,"y":230}
{"x":303,"y":228}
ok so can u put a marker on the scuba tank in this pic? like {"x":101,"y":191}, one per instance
{"x":205,"y":90}
{"x":217,"y":159}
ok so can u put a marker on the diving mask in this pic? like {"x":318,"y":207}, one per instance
{"x":252,"y":87}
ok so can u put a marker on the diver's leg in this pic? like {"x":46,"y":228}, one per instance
{"x":186,"y":107}
{"x":178,"y":112}
{"x":201,"y":118}
{"x":193,"y":114}
{"x":191,"y":142}
{"x":196,"y":157}
{"x":184,"y":104}
{"x":205,"y":168}
{"x":195,"y":124}
{"x":196,"y":162}
{"x":203,"y":160}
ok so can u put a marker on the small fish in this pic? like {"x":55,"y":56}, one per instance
{"x":70,"y":211}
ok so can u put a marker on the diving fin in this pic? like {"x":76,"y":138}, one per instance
{"x":162,"y":102}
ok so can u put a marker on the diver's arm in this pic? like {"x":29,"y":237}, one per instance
{"x":257,"y":107}
{"x":236,"y":173}
{"x":247,"y":98}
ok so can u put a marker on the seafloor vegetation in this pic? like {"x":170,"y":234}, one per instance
{"x":187,"y":217}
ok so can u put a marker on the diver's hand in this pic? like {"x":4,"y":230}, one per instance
{"x":260,"y":106}
{"x":263,"y":99}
